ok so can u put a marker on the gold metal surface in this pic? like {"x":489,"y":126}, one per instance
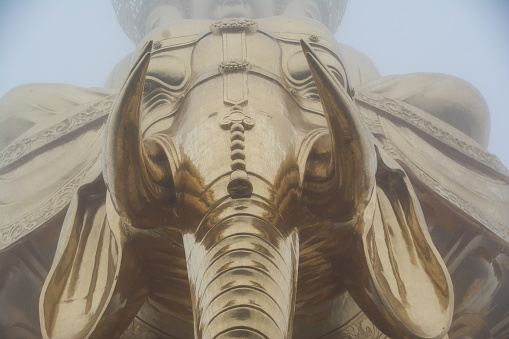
{"x":241,"y":184}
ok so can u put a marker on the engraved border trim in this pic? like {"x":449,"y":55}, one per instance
{"x":409,"y":115}
{"x":24,"y":147}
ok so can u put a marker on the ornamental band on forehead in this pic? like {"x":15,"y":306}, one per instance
{"x":131,"y":14}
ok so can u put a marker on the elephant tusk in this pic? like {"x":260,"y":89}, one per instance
{"x":135,"y":171}
{"x":344,"y":184}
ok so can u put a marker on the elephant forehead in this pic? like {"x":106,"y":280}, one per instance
{"x":258,"y":49}
{"x":265,"y":137}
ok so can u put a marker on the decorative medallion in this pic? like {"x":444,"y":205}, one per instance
{"x":234,"y":25}
{"x":234,"y":65}
{"x":314,"y":38}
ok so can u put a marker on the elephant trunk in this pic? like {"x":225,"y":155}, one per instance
{"x":243,"y":272}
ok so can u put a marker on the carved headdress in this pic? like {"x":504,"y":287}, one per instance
{"x":132,"y":13}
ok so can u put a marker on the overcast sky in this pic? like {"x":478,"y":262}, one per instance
{"x":79,"y":42}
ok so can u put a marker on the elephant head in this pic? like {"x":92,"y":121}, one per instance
{"x":234,"y":174}
{"x":240,"y":168}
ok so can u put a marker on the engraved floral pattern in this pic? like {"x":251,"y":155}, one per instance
{"x":360,"y":327}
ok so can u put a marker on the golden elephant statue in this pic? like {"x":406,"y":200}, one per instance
{"x":240,"y":184}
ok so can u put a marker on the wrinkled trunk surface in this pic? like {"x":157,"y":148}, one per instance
{"x":242,"y":268}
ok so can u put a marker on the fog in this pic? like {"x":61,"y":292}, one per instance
{"x":79,"y":42}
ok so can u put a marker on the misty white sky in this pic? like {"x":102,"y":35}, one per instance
{"x":78,"y":42}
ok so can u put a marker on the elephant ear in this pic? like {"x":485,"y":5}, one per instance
{"x":395,"y":273}
{"x":95,"y":286}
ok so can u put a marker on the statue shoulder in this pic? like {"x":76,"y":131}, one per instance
{"x":33,"y":107}
{"x":119,"y":73}
{"x":293,"y":28}
{"x":450,"y":99}
{"x":360,"y":67}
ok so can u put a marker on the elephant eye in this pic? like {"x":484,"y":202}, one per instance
{"x":149,"y":87}
{"x":156,"y":94}
{"x":338,"y":76}
{"x":300,"y":75}
{"x":311,"y":92}
{"x":169,"y":70}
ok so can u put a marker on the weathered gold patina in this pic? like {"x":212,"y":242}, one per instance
{"x":251,"y":178}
